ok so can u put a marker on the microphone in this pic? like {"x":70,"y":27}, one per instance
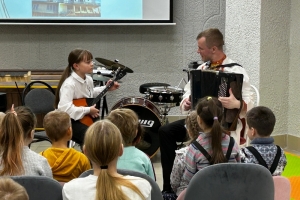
{"x":194,"y":65}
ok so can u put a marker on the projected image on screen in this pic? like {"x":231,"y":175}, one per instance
{"x":66,"y":8}
{"x":82,"y":11}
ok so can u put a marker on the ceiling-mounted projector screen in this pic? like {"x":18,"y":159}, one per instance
{"x":85,"y":12}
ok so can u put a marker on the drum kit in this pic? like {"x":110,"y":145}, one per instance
{"x":152,"y":108}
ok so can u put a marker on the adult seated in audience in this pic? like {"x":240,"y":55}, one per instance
{"x":213,"y":145}
{"x":103,"y":146}
{"x":11,"y":190}
{"x":16,"y":133}
{"x":133,"y":159}
{"x":193,"y":131}
{"x":66,"y":163}
{"x":261,"y":121}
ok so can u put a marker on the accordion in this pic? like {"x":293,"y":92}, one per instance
{"x":217,"y":84}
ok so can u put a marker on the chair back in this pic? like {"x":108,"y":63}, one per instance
{"x":39,"y":100}
{"x":40,"y":187}
{"x":155,"y":191}
{"x":282,"y":188}
{"x":229,"y":181}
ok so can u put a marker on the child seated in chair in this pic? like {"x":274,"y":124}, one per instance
{"x":66,"y":163}
{"x":103,"y":145}
{"x":193,"y":131}
{"x":261,"y":121}
{"x":16,"y":133}
{"x":133,"y":159}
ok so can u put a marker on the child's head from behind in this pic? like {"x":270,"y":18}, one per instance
{"x":27,"y":119}
{"x":210,"y":113}
{"x":57,"y":125}
{"x":261,"y":121}
{"x":102,"y":142}
{"x":11,"y":190}
{"x":192,"y":125}
{"x":209,"y":109}
{"x":127,"y":122}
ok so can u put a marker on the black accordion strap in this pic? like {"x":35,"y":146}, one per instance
{"x":229,"y":65}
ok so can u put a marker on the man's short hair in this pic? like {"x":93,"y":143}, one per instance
{"x":56,"y":124}
{"x":213,"y":37}
{"x":262,"y":119}
{"x":12,"y":190}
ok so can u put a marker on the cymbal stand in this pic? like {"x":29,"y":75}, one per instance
{"x":164,"y":109}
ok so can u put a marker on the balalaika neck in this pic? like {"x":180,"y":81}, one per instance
{"x":101,"y":94}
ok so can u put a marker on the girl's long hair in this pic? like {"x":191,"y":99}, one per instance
{"x":75,"y":56}
{"x":11,"y":146}
{"x":210,"y":110}
{"x":103,"y":142}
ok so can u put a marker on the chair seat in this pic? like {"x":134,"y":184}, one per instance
{"x":40,"y":136}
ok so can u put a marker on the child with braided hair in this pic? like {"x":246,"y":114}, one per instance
{"x":193,"y":131}
{"x":213,"y":145}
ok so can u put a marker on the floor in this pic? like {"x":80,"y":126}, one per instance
{"x":41,"y":146}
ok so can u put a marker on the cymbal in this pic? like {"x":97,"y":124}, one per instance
{"x":111,"y":65}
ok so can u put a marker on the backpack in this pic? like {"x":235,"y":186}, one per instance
{"x":262,"y":162}
{"x":208,"y":157}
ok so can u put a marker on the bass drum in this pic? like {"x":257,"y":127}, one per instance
{"x":149,"y":118}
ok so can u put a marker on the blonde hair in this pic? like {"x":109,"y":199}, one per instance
{"x":103,"y":142}
{"x":127,"y":122}
{"x":11,"y":146}
{"x":56,"y":124}
{"x":192,"y":126}
{"x":11,"y":190}
{"x":2,"y":115}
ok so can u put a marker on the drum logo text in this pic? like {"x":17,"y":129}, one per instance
{"x":146,"y":123}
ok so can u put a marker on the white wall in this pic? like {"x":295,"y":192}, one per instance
{"x":257,"y":35}
{"x":294,"y":71}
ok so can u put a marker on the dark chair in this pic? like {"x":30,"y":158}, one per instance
{"x":229,"y":181}
{"x":40,"y":99}
{"x":40,"y":187}
{"x":155,"y":191}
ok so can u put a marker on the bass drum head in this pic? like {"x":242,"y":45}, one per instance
{"x":149,"y":121}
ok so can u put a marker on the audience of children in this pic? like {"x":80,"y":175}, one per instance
{"x":11,"y":190}
{"x":103,"y":145}
{"x":193,"y":131}
{"x":133,"y":159}
{"x":16,"y":133}
{"x":213,"y":140}
{"x":261,"y":121}
{"x":66,"y":163}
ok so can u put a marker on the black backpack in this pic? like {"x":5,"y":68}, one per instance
{"x":208,"y":157}
{"x":262,"y":162}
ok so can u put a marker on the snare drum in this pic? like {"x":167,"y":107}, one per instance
{"x":149,"y":118}
{"x":170,"y":96}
